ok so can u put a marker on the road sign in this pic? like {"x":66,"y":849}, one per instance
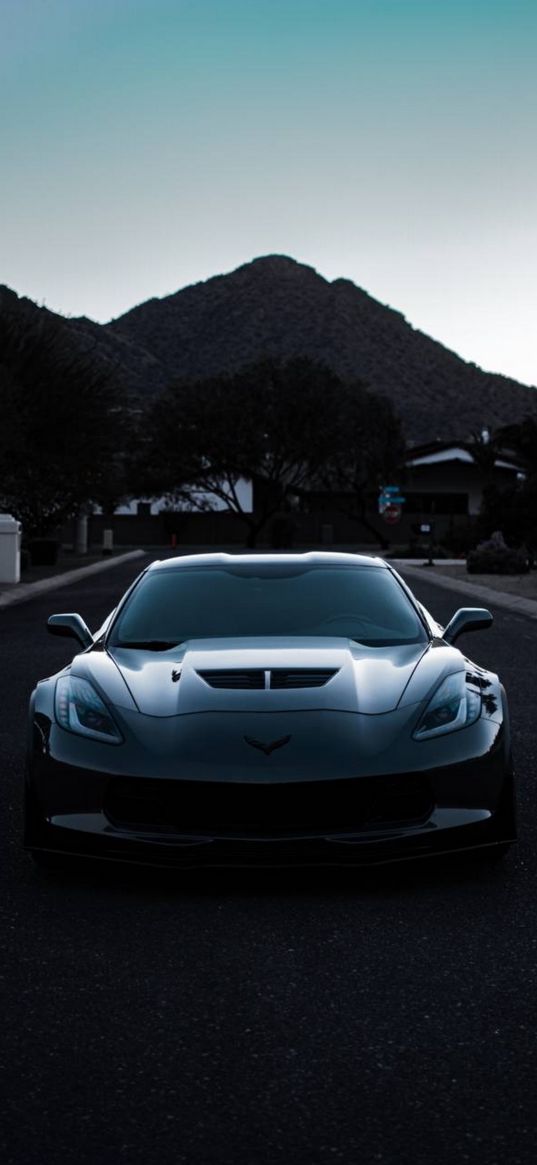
{"x":392,"y":514}
{"x":390,"y":495}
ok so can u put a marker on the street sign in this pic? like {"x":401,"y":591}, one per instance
{"x":390,"y":495}
{"x":392,"y":514}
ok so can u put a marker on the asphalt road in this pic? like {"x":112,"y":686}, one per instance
{"x":303,"y":1018}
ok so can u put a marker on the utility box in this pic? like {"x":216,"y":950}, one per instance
{"x":10,"y":549}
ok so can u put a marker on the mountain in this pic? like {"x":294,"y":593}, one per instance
{"x":131,"y":369}
{"x":277,"y":307}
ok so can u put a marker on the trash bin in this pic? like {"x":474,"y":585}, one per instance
{"x":10,"y":549}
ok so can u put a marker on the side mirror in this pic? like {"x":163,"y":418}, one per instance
{"x":467,"y":619}
{"x":70,"y":627}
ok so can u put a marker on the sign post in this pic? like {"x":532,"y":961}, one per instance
{"x":388,"y":495}
{"x":428,"y":529}
{"x":390,"y":504}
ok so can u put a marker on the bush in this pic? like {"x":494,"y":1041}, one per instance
{"x":44,"y":551}
{"x":497,"y":560}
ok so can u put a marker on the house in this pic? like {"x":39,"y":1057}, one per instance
{"x":441,"y":480}
{"x":448,"y":478}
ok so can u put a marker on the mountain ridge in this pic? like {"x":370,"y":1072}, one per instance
{"x":276,"y":307}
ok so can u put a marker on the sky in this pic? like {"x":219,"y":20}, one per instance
{"x":149,"y":144}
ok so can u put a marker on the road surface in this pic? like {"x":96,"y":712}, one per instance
{"x":258,"y":1018}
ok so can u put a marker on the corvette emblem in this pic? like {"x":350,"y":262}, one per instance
{"x":267,"y":748}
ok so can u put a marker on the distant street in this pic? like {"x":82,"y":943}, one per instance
{"x":247,"y":1019}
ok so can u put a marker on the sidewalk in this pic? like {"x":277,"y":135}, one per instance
{"x":512,"y":592}
{"x":11,"y":593}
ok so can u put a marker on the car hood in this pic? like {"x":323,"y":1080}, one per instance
{"x":329,"y":674}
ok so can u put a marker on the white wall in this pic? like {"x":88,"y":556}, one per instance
{"x":243,"y":489}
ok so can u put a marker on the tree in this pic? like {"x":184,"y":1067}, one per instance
{"x":62,"y":422}
{"x":512,"y":509}
{"x":370,"y":450}
{"x":522,"y":439}
{"x":283,"y":425}
{"x":485,"y":447}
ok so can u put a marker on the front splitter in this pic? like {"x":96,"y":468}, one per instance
{"x":447,"y":830}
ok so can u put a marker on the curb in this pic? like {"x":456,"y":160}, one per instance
{"x":519,"y":606}
{"x":31,"y":590}
{"x":417,"y":563}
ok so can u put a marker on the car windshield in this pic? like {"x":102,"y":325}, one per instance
{"x":170,"y":606}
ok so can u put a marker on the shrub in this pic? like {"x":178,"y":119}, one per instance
{"x":497,"y":560}
{"x":44,"y":551}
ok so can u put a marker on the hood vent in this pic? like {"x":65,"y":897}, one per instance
{"x":301,"y":677}
{"x":255,"y":679}
{"x":234,"y":678}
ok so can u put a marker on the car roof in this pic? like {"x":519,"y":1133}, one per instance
{"x":309,"y":558}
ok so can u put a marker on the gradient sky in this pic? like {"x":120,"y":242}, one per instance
{"x":149,"y":144}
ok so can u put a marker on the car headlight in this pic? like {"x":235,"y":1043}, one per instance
{"x":79,"y":708}
{"x":454,"y":705}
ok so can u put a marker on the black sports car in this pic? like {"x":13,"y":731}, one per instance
{"x":273,"y":709}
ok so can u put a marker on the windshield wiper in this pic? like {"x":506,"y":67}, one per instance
{"x":149,"y":644}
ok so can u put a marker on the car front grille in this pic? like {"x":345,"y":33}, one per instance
{"x":277,"y":677}
{"x":264,"y":809}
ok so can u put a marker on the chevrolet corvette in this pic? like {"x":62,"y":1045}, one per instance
{"x":268,"y":709}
